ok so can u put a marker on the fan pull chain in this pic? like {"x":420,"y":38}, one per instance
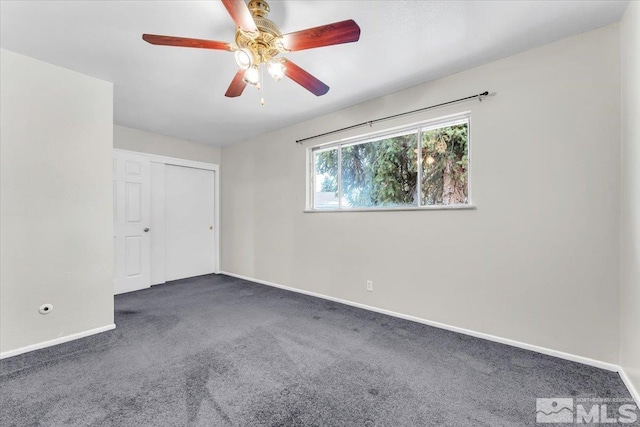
{"x":262,"y":83}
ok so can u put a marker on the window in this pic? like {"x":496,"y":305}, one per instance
{"x":383,"y":171}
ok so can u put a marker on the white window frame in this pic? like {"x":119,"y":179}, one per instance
{"x":419,"y":128}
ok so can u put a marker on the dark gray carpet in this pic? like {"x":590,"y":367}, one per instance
{"x":215,"y":351}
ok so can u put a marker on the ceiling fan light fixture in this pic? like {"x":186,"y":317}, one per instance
{"x":244,"y":58}
{"x":252,"y":76}
{"x":276,"y":68}
{"x":258,"y":40}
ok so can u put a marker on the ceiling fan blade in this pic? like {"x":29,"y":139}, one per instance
{"x":237,"y":85}
{"x":185,"y":42}
{"x":241,"y":15}
{"x":325,"y":35}
{"x":304,"y":79}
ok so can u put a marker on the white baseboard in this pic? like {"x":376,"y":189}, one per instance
{"x":632,"y":389}
{"x":513,"y":343}
{"x":56,"y":341}
{"x":543,"y":350}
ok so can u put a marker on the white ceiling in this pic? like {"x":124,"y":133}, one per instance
{"x":180,"y":91}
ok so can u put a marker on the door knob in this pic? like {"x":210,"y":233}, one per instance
{"x":146,"y":229}
{"x":211,"y":228}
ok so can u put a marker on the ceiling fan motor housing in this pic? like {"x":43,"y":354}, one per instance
{"x":268,"y":43}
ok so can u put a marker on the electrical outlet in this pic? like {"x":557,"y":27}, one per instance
{"x":370,"y":285}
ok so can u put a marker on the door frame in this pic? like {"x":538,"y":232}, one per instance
{"x":155,"y":158}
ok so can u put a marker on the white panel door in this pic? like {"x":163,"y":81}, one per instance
{"x":131,"y":206}
{"x":189,"y":222}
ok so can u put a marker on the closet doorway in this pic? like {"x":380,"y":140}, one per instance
{"x":183,"y":208}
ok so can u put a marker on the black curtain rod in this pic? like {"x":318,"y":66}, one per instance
{"x":371,"y":122}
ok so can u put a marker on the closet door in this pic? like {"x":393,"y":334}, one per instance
{"x":189,"y":200}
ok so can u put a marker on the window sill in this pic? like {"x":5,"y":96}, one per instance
{"x":404,"y":208}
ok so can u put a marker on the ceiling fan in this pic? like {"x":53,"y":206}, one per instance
{"x":259,"y":42}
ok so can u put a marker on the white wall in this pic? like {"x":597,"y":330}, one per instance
{"x":153,"y":143}
{"x":630,"y":215}
{"x":537,"y":261}
{"x":56,"y":202}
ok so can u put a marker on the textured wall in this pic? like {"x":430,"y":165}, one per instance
{"x":56,"y":202}
{"x":537,"y":262}
{"x":630,"y":218}
{"x":152,"y":143}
